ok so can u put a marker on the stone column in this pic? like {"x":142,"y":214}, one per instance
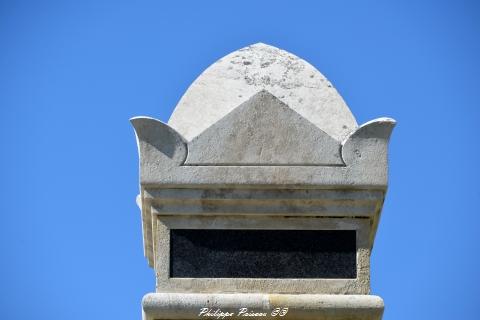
{"x":261,"y":196}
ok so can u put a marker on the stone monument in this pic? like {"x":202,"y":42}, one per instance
{"x":261,"y":196}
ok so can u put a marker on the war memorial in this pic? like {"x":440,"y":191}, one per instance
{"x":261,"y":196}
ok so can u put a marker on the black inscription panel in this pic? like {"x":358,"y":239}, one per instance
{"x":214,"y":253}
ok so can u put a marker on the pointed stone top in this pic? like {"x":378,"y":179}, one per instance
{"x":238,"y":76}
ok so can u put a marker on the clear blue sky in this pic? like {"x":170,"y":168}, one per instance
{"x":73,"y":73}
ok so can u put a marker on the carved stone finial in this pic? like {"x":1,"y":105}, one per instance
{"x":238,"y":76}
{"x":263,"y":150}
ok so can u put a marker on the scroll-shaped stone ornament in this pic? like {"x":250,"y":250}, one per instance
{"x":158,"y":144}
{"x":368,"y":144}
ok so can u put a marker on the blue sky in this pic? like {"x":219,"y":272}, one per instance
{"x":73,"y":73}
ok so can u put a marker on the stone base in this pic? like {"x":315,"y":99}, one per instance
{"x":261,"y":306}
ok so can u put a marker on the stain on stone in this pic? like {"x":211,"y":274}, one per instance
{"x":249,"y":80}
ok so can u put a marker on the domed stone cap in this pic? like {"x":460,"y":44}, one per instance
{"x":237,"y":77}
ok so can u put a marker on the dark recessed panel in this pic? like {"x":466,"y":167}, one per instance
{"x":215,"y":253}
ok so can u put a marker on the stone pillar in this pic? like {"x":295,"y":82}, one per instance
{"x":262,"y":195}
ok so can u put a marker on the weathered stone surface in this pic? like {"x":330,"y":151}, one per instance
{"x":162,"y":159}
{"x":302,"y":306}
{"x":158,"y":143}
{"x":241,"y":74}
{"x":261,"y":142}
{"x":162,"y":244}
{"x":263,"y":131}
{"x":368,"y":145}
{"x":258,"y":202}
{"x":267,"y":139}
